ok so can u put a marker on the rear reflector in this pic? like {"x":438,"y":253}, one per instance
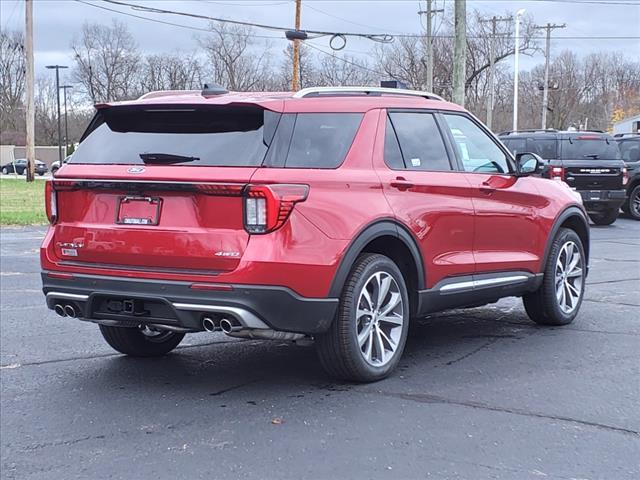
{"x":267,"y":207}
{"x":60,"y":276}
{"x":625,"y":175}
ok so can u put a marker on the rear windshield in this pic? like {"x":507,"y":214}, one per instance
{"x":593,"y":147}
{"x":199,"y":136}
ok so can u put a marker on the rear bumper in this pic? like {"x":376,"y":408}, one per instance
{"x":597,"y":200}
{"x":175,"y":304}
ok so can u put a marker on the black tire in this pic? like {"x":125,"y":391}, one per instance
{"x":632,"y":204}
{"x":131,"y":341}
{"x":5,"y":171}
{"x":606,"y":217}
{"x":338,"y":348}
{"x":22,"y":172}
{"x":40,"y":173}
{"x":542,"y":306}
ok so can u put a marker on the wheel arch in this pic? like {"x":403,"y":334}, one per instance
{"x":389,"y":238}
{"x":574,"y":218}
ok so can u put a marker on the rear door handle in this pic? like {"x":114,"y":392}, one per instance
{"x":402,"y":184}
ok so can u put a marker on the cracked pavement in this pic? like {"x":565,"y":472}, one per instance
{"x":480,"y":393}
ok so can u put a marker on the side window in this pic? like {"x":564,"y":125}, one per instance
{"x":322,"y":140}
{"x":392,"y":153}
{"x":421,"y":142}
{"x":516,"y":145}
{"x":476,"y":149}
{"x":546,"y":148}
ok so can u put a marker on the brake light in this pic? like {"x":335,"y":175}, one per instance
{"x":557,"y":173}
{"x":267,"y":207}
{"x":51,"y":202}
{"x":625,"y":176}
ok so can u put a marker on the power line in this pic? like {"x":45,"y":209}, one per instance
{"x":362,"y":67}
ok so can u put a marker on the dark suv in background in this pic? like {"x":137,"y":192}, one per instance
{"x":629,"y":144}
{"x":588,"y":161}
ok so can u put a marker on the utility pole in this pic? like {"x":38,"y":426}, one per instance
{"x":516,"y":69}
{"x":430,"y":12}
{"x":57,"y":69}
{"x":29,"y":76}
{"x":66,"y":124}
{"x":492,"y":60}
{"x":295,"y":79}
{"x":460,"y":51}
{"x":545,"y":92}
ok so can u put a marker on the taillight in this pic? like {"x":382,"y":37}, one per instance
{"x":625,"y":176}
{"x":267,"y":207}
{"x":51,"y":202}
{"x":557,"y":173}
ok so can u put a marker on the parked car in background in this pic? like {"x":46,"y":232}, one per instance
{"x":55,"y":166}
{"x":332,"y":214}
{"x":587,"y":161}
{"x":629,"y":144}
{"x":19,"y":166}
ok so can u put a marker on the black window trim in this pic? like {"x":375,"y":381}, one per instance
{"x":509,"y":157}
{"x":443,"y":136}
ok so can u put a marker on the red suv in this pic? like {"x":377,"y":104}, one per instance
{"x":333,"y":213}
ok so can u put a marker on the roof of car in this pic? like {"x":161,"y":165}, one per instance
{"x":288,"y":102}
{"x":552,"y":133}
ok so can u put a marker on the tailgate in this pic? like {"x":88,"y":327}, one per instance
{"x":593,"y":174}
{"x":148,"y":225}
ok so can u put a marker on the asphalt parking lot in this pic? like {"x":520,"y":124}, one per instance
{"x":480,"y":393}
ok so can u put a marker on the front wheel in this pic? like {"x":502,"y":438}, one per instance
{"x":142,"y":341}
{"x":632,"y":205}
{"x":5,"y":171}
{"x":368,"y":335}
{"x":558,"y":299}
{"x":606,"y":217}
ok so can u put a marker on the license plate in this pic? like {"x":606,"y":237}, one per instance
{"x":138,"y":210}
{"x":591,"y":195}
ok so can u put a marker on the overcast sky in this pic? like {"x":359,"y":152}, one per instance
{"x":56,"y":22}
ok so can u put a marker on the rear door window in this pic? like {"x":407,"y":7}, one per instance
{"x":421,"y":142}
{"x":322,"y":140}
{"x":195,"y":136}
{"x":590,"y":147}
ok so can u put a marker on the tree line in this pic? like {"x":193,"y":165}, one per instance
{"x":108,"y":65}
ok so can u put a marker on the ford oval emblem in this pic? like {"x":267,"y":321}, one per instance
{"x":136,"y":170}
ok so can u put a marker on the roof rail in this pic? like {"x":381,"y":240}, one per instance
{"x":166,"y":93}
{"x":328,"y":91}
{"x":530,"y":130}
{"x":627,"y":134}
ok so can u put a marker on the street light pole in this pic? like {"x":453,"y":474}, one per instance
{"x":57,"y":69}
{"x":516,"y":68}
{"x":66,"y":124}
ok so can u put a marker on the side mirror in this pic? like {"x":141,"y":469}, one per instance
{"x":528,"y":164}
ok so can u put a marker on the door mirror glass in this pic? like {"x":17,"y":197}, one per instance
{"x":528,"y":164}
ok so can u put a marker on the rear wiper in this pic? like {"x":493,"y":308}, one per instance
{"x":166,"y":158}
{"x":593,"y":156}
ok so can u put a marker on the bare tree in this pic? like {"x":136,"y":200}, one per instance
{"x":308,"y":71}
{"x":46,"y":111}
{"x":344,"y":71}
{"x":175,"y":71}
{"x":107,"y":62}
{"x":234,"y":63}
{"x":12,"y":80}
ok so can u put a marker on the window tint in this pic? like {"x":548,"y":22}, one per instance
{"x":420,"y":140}
{"x":392,"y":153}
{"x":476,"y":149}
{"x":219,"y":136}
{"x":545,"y":147}
{"x":322,"y":140}
{"x":630,"y":150}
{"x":516,"y":145}
{"x":590,"y":147}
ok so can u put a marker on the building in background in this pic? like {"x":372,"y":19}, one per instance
{"x":46,"y":154}
{"x":627,"y":125}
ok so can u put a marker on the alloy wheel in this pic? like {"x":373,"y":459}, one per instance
{"x":569,"y":277}
{"x":379,"y":319}
{"x":635,"y":203}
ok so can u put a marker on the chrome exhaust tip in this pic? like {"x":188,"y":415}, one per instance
{"x":209,"y":325}
{"x":70,"y":311}
{"x":228,"y":327}
{"x":59,"y":309}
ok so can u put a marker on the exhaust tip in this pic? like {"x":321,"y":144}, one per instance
{"x":70,"y":311}
{"x":59,"y":309}
{"x":228,"y":327}
{"x":208,"y":324}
